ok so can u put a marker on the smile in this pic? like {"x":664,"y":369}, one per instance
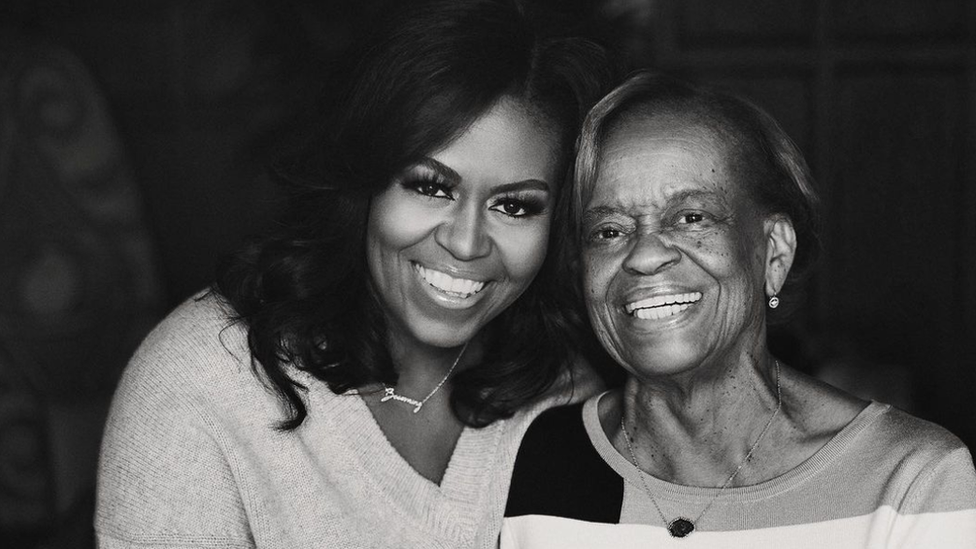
{"x":661,"y":306}
{"x":454,"y":287}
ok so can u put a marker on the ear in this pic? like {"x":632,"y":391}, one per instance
{"x":780,"y":251}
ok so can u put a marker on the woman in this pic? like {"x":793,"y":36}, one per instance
{"x":695,"y":216}
{"x":401,"y":322}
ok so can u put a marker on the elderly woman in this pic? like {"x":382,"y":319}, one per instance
{"x":695,"y":214}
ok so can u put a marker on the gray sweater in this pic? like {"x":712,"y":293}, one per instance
{"x":190,"y":458}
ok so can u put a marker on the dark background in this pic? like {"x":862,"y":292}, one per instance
{"x":134,"y":135}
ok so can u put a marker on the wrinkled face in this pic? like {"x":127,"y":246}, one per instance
{"x":673,"y":249}
{"x":456,"y":238}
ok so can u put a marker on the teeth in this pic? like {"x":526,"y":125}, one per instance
{"x":660,"y":312}
{"x":662,"y":306}
{"x":459,"y":287}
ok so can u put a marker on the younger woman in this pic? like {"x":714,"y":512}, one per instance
{"x":362,"y":376}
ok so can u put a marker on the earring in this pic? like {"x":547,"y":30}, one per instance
{"x":773,"y":302}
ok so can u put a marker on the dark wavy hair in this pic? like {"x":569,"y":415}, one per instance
{"x":303,"y":289}
{"x":769,"y":163}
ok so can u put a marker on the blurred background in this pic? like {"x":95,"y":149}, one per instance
{"x":134,"y":138}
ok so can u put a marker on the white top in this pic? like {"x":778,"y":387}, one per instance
{"x":887,"y":480}
{"x":191,"y":458}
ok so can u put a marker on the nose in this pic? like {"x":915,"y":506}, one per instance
{"x":464,"y":234}
{"x":650,"y":255}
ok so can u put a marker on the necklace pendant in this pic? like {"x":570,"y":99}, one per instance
{"x":680,"y":527}
{"x":390,"y":394}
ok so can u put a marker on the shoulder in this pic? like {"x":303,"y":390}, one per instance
{"x":881,"y":431}
{"x":550,"y":440}
{"x":885,"y":438}
{"x":197,"y":348}
{"x":929,"y":468}
{"x":558,"y":472}
{"x":193,"y":372}
{"x":900,"y":432}
{"x":199,"y":330}
{"x":166,"y":470}
{"x":577,"y":382}
{"x":559,"y":427}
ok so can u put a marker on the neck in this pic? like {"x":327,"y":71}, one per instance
{"x":420,"y":367}
{"x":695,"y":429}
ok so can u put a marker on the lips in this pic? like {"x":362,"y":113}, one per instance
{"x":662,"y":306}
{"x":455,"y":287}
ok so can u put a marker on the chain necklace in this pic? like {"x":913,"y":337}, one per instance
{"x":681,"y":526}
{"x":390,"y":392}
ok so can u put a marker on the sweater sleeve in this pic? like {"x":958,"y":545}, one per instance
{"x":164,"y":480}
{"x":940,"y":508}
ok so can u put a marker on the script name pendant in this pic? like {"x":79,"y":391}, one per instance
{"x":391,"y":395}
{"x":390,"y":392}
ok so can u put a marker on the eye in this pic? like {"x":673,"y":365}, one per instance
{"x":429,"y":187}
{"x":512,"y":208}
{"x":518,"y":207}
{"x":691,"y":217}
{"x":605,"y":233}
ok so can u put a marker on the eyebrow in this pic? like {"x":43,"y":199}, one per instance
{"x":681,"y":196}
{"x":440,"y":168}
{"x":600,"y":212}
{"x":524,"y":185}
{"x":448,"y":173}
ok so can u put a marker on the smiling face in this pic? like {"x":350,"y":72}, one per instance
{"x":674,"y":249}
{"x":456,"y":238}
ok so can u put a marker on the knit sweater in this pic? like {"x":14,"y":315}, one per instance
{"x":887,"y":480}
{"x":190,"y":458}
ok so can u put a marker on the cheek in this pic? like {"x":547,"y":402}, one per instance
{"x":391,"y":227}
{"x":378,"y":256}
{"x":597,"y":275}
{"x":743,"y":256}
{"x":395,"y":223}
{"x":718,"y":251}
{"x":597,"y":279}
{"x":597,"y":271}
{"x":523,"y":250}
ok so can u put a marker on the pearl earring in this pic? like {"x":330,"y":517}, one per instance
{"x":773,"y":301}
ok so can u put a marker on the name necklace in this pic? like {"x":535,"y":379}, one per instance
{"x":390,"y":392}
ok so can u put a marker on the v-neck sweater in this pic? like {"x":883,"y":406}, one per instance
{"x":191,"y":458}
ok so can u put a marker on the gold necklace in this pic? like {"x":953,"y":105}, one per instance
{"x":390,"y":392}
{"x":681,"y":526}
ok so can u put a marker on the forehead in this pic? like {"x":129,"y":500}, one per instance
{"x":506,"y":143}
{"x":649,"y":159}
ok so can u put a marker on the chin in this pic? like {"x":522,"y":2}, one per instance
{"x":441,"y":334}
{"x":658,"y":360}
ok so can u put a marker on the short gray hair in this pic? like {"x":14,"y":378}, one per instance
{"x":779,"y":179}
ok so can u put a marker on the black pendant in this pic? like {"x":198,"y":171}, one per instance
{"x":681,"y":527}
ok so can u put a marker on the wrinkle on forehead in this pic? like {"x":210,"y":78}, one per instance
{"x":685,"y":128}
{"x":657,"y":149}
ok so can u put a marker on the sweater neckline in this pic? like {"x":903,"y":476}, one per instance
{"x":447,"y":509}
{"x":681,"y":493}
